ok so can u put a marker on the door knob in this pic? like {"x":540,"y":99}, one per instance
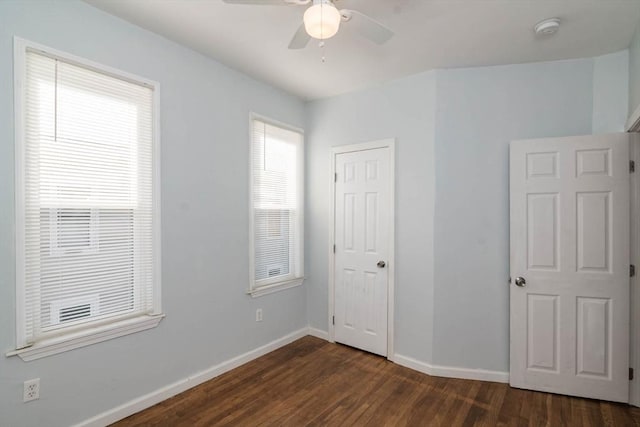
{"x":381,"y":264}
{"x":520,"y":281}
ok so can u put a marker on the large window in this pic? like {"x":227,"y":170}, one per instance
{"x":276,"y":206}
{"x":87,"y":217}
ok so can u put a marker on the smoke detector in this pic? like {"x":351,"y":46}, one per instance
{"x":547,"y":27}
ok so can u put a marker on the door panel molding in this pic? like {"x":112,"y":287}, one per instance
{"x":371,"y":171}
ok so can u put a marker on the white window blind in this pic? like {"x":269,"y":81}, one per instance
{"x":87,"y":212}
{"x":277,"y":204}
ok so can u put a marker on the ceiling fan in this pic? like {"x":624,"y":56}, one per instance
{"x":322,"y":20}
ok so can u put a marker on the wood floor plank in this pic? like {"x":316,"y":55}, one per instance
{"x":315,"y":383}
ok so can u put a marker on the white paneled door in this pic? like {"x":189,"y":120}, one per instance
{"x":362,"y":230}
{"x":570,"y":260}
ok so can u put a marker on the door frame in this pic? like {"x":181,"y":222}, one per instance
{"x":634,"y":309}
{"x":342,"y":149}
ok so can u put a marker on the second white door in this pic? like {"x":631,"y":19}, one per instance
{"x":362,"y":233}
{"x":570,"y":265}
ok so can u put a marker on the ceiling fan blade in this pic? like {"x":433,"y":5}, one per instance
{"x":269,"y":2}
{"x":366,"y":26}
{"x":300,"y":38}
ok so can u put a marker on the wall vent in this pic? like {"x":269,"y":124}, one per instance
{"x":274,"y":270}
{"x":71,"y":309}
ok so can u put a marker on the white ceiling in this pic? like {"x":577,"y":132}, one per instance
{"x":429,"y":34}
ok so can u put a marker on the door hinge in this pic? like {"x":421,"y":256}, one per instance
{"x":335,"y":177}
{"x":333,"y":320}
{"x":632,"y":166}
{"x":630,"y":374}
{"x":632,"y":270}
{"x":334,"y":248}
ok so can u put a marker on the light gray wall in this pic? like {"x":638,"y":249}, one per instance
{"x":205,"y":114}
{"x":455,"y":126}
{"x":634,"y":72}
{"x":402,"y":109}
{"x":610,"y":92}
{"x":479,"y":111}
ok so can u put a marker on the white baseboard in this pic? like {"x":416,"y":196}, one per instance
{"x":450,"y":371}
{"x":157,"y":396}
{"x":323,"y":335}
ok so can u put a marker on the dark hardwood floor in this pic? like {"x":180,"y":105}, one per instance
{"x":313,"y":382}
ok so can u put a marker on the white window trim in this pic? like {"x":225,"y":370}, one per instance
{"x":288,"y":281}
{"x":86,"y":336}
{"x":72,"y":339}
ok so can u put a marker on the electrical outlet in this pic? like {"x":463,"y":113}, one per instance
{"x":31,"y":390}
{"x":259,"y":315}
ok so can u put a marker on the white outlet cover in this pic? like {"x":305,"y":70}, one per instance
{"x":31,"y":390}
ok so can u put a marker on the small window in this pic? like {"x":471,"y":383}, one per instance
{"x":88,"y":223}
{"x":276,"y":206}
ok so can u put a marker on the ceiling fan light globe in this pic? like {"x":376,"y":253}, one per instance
{"x":322,"y":21}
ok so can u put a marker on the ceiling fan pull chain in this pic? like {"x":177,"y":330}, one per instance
{"x":321,"y":43}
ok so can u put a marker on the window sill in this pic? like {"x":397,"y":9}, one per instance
{"x":275,"y":287}
{"x":86,"y":337}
